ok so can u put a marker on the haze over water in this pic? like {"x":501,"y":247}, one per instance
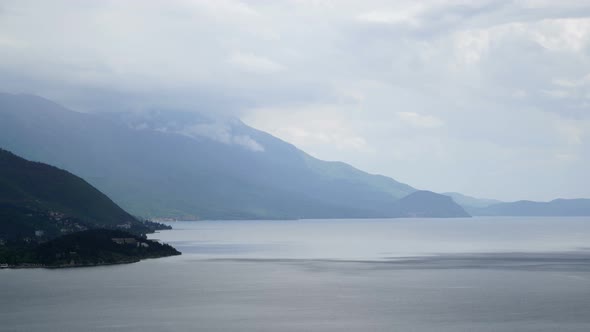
{"x":477,"y":274}
{"x":377,"y":239}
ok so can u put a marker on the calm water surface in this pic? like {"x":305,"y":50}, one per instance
{"x":479,"y":274}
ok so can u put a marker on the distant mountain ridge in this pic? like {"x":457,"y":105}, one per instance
{"x":471,"y":202}
{"x":558,"y":207}
{"x":490,"y":207}
{"x":196,"y":168}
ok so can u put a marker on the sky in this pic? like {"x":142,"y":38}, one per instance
{"x":486,"y":98}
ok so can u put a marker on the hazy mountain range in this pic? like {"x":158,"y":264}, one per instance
{"x":471,"y":203}
{"x":187,"y":165}
{"x":492,"y":207}
{"x":557,"y":207}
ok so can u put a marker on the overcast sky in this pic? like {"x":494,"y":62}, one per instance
{"x":487,"y":98}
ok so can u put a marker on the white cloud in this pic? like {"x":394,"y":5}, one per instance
{"x":420,"y":121}
{"x":563,"y":34}
{"x":216,"y":131}
{"x":558,"y":94}
{"x":248,"y":143}
{"x":408,"y":16}
{"x":222,"y":132}
{"x":253,"y":63}
{"x":225,"y":9}
{"x":573,"y":132}
{"x":315,"y":128}
{"x":470,"y":45}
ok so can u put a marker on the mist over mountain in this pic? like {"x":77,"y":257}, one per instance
{"x":186,"y":165}
{"x":469,"y":201}
{"x":471,"y":204}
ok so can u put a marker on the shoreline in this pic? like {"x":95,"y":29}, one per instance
{"x":66,"y":266}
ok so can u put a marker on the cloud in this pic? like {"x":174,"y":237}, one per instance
{"x":489,"y":98}
{"x":248,"y":143}
{"x":407,"y":16}
{"x":420,"y":121}
{"x":557,"y":94}
{"x":222,"y":132}
{"x":254,"y":63}
{"x":313,"y":128}
{"x":219,"y":132}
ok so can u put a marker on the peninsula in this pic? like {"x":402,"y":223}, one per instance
{"x":52,"y":218}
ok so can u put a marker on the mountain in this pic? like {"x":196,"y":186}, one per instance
{"x":491,"y":207}
{"x":190,"y":166}
{"x":469,"y":201}
{"x":38,"y":197}
{"x":52,"y":218}
{"x":427,"y":204}
{"x":471,"y":204}
{"x":557,"y":207}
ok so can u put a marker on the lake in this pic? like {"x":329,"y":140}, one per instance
{"x":476,"y":274}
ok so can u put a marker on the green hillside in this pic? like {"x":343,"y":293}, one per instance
{"x":50,"y":217}
{"x":40,"y":186}
{"x":35,"y":197}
